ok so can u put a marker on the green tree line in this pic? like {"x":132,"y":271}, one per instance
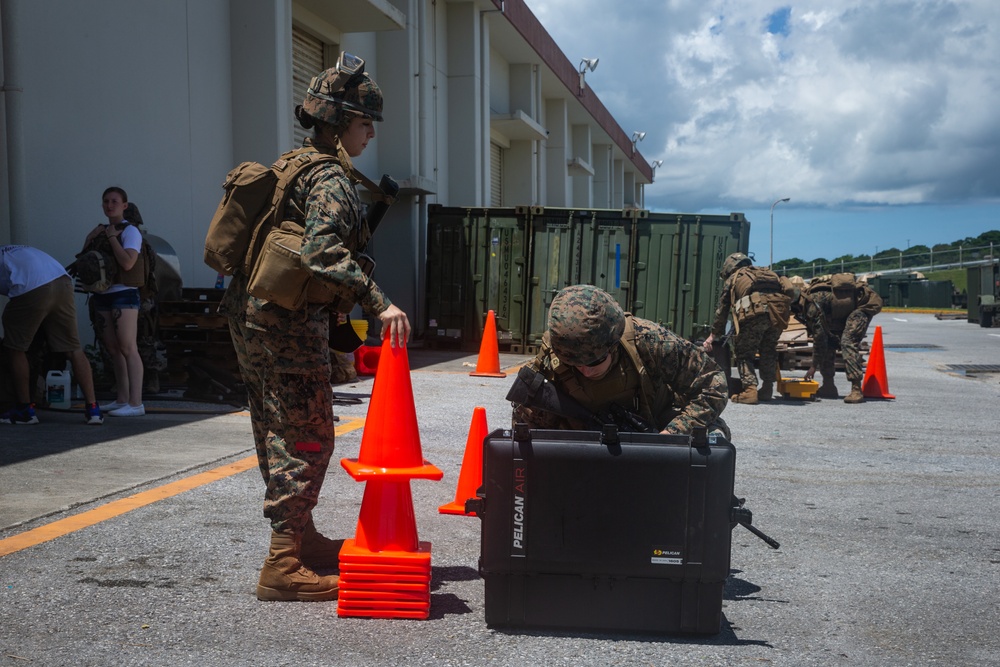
{"x":915,"y":257}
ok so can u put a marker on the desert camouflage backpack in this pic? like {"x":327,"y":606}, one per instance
{"x":94,"y":271}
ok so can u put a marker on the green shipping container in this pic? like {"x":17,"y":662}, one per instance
{"x":912,"y":291}
{"x":476,"y":263}
{"x":677,"y":259}
{"x":572,"y":247}
{"x":660,"y":266}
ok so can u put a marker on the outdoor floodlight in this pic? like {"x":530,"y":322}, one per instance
{"x":585,"y":64}
{"x":637,"y":136}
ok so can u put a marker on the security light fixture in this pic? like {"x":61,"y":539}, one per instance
{"x":655,"y":163}
{"x":637,"y":136}
{"x":585,"y":64}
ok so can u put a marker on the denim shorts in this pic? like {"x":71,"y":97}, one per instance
{"x":120,"y":300}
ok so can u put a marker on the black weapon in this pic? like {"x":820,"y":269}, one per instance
{"x":743,"y":516}
{"x":389,"y":189}
{"x":530,"y":388}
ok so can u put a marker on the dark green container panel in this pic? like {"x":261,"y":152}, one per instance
{"x":677,"y":258}
{"x":912,"y":291}
{"x":505,"y":267}
{"x":932,"y":294}
{"x":572,"y":247}
{"x":983,"y":285}
{"x":450,"y":284}
{"x":476,"y":262}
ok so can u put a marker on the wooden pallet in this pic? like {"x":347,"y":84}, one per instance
{"x":194,"y":332}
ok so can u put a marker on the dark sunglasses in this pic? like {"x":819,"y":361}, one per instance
{"x":598,"y":362}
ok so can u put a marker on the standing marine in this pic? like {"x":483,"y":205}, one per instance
{"x":284,"y":355}
{"x":760,"y":309}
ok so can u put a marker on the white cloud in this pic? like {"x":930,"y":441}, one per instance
{"x":865,"y":101}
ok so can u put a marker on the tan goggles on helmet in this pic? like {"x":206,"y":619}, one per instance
{"x":348,"y":66}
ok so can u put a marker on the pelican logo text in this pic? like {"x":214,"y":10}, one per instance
{"x":520,"y":493}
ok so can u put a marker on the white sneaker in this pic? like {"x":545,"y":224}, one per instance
{"x":108,"y":407}
{"x":129,"y":411}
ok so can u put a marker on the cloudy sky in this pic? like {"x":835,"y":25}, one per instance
{"x":879,"y":119}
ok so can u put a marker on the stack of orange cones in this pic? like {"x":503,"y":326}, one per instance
{"x":876,"y":384}
{"x":470,"y":477}
{"x":488,"y":364}
{"x":385,"y":571}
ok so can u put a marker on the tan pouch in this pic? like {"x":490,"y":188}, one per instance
{"x":278,"y":275}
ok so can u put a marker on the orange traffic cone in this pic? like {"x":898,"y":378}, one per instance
{"x":366,"y":360}
{"x":471,"y":476}
{"x":390,"y":444}
{"x":387,"y":522}
{"x":488,"y":364}
{"x":876,"y":384}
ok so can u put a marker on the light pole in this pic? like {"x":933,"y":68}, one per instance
{"x":770,"y":260}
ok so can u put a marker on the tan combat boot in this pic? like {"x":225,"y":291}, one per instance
{"x":855,"y":396}
{"x":827,"y":390}
{"x":285,"y":578}
{"x":748,"y":396}
{"x":318,"y":551}
{"x":766,"y":391}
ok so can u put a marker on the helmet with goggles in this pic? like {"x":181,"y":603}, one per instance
{"x":344,"y":87}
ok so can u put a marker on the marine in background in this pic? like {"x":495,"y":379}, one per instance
{"x":837,"y":311}
{"x":760,"y":309}
{"x":599,"y":355}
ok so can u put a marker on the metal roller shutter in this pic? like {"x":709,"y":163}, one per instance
{"x":307,"y":62}
{"x":496,"y":174}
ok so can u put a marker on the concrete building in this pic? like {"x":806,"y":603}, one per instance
{"x":163,"y":98}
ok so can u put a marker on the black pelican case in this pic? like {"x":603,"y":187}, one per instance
{"x":599,"y":531}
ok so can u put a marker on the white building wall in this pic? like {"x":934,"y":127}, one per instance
{"x":581,"y":175}
{"x":557,"y":184}
{"x":465,"y":136}
{"x":602,"y":175}
{"x":164,"y":98}
{"x":99,"y":103}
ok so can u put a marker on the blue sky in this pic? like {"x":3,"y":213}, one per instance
{"x":877,"y":118}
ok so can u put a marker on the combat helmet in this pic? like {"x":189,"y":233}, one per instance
{"x":733,"y":262}
{"x":585,"y":323}
{"x":345,"y":86}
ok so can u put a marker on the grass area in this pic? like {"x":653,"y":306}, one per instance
{"x":958,"y":277}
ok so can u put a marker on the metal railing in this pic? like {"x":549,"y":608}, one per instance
{"x":934,"y":260}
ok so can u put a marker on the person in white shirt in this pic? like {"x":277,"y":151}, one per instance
{"x":41,"y":299}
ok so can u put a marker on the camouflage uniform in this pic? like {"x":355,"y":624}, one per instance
{"x":759,"y":333}
{"x":284,"y":355}
{"x":675,"y":385}
{"x":816,"y":310}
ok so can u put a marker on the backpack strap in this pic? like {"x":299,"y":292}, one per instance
{"x":286,"y":169}
{"x":645,"y":384}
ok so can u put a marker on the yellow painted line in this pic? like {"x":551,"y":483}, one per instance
{"x":51,"y":531}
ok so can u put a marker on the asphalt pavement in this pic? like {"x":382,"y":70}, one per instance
{"x":139,"y":542}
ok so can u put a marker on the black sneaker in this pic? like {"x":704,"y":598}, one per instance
{"x":92,"y":414}
{"x":23,"y":415}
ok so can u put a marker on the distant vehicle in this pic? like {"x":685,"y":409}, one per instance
{"x":984,"y":294}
